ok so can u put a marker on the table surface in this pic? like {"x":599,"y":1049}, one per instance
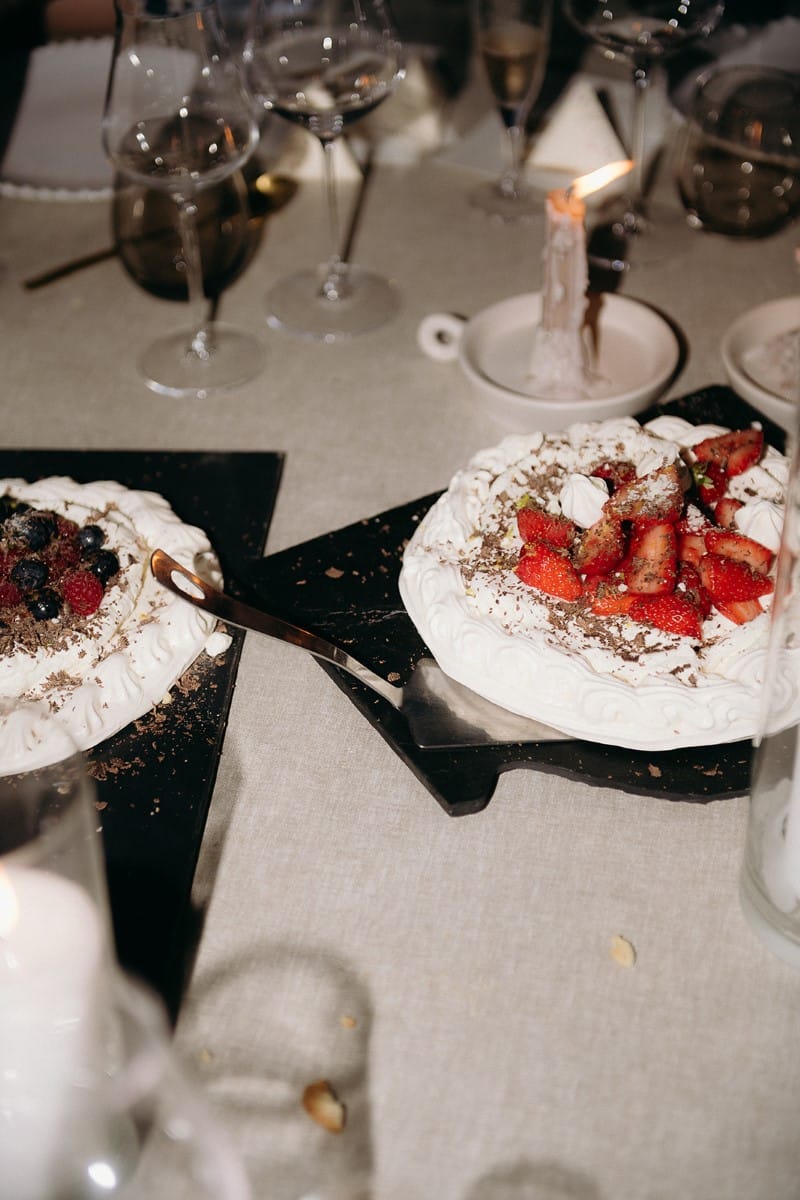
{"x":452,"y":978}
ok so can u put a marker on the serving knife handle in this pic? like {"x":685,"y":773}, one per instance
{"x":183,"y":582}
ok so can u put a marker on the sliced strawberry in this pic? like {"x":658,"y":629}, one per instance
{"x":610,"y":597}
{"x":544,"y":567}
{"x":740,"y":611}
{"x":711,"y":482}
{"x":734,"y":452}
{"x":691,"y":547}
{"x":691,"y":530}
{"x":650,"y":499}
{"x":690,"y":585}
{"x":673,"y":613}
{"x":536,"y":524}
{"x":600,"y":548}
{"x":726,"y":579}
{"x":725,"y":511}
{"x":651,"y":563}
{"x":616,"y":471}
{"x":739,"y":547}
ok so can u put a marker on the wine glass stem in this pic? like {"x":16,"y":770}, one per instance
{"x":335,"y":269}
{"x":509,"y":182}
{"x":200,"y":344}
{"x":641,"y":84}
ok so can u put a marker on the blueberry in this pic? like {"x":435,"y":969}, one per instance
{"x":10,"y":505}
{"x":103,"y":564}
{"x":28,"y":574}
{"x":44,"y":604}
{"x":91,"y":537}
{"x":33,"y":529}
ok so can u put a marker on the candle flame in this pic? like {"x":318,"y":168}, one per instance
{"x":584,"y":185}
{"x":9,"y":908}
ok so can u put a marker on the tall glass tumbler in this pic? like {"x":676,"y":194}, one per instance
{"x":55,"y":951}
{"x":770,"y":878}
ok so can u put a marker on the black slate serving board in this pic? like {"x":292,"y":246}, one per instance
{"x":344,"y":586}
{"x":155,"y":778}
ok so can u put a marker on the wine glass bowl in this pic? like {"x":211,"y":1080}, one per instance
{"x":738,"y":155}
{"x":324,"y":67}
{"x":642,"y":32}
{"x":513,"y":41}
{"x":177,"y":119}
{"x":147,"y":236}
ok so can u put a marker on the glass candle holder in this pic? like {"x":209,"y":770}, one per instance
{"x":147,"y":1129}
{"x":770,"y":878}
{"x":55,"y":950}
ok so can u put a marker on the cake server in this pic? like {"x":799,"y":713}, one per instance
{"x":441,"y":714}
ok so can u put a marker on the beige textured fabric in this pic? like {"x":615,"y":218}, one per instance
{"x":453,"y":979}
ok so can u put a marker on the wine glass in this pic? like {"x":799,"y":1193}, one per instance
{"x":738,"y":156}
{"x":324,"y":65}
{"x":513,"y":38}
{"x":177,"y":117}
{"x":642,"y":31}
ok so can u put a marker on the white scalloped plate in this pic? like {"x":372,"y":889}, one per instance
{"x":55,"y":152}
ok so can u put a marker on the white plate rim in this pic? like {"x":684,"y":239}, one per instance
{"x":772,"y":318}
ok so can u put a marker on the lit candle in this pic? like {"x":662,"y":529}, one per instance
{"x":558,"y":365}
{"x":51,"y":972}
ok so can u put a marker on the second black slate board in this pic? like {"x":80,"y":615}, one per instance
{"x":344,"y":585}
{"x":154,"y":779}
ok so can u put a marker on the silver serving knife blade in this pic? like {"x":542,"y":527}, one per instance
{"x":441,"y":713}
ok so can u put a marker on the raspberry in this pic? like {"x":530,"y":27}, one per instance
{"x":66,"y":529}
{"x":61,"y":556}
{"x":82,"y":592}
{"x":10,"y":595}
{"x":8,"y":559}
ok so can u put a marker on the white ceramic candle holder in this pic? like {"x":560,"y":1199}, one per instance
{"x":632,"y":350}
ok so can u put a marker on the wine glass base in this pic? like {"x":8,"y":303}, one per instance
{"x":172,"y":368}
{"x":622,"y":239}
{"x":298,"y":306}
{"x":521,"y":203}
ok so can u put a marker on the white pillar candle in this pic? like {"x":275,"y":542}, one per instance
{"x":558,"y":365}
{"x":51,"y":975}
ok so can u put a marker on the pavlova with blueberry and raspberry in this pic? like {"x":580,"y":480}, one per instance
{"x":86,"y":632}
{"x":613,"y":580}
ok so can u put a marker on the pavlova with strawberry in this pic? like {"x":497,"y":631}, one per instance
{"x":612,"y":580}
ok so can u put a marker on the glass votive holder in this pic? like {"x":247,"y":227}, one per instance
{"x":55,"y":946}
{"x":147,"y":1129}
{"x":770,"y":877}
{"x":737,"y":161}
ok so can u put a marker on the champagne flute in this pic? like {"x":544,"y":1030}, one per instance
{"x":513,"y":38}
{"x":177,"y":117}
{"x":323,"y":66}
{"x":642,"y":31}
